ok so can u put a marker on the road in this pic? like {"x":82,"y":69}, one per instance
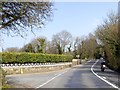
{"x":79,"y":76}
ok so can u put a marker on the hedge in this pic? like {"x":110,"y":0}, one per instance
{"x":22,"y":58}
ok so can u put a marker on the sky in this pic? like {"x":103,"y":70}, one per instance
{"x":78,"y":18}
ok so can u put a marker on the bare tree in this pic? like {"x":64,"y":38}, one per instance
{"x":62,"y":40}
{"x":108,"y":33}
{"x":51,"y":48}
{"x":87,"y":46}
{"x":12,"y":49}
{"x":76,"y":44}
{"x":17,"y":16}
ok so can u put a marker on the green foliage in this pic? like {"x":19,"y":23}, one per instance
{"x":29,"y":48}
{"x":37,"y":45}
{"x":87,"y":46}
{"x":2,"y":77}
{"x":21,"y":58}
{"x":41,"y":45}
{"x":3,"y":83}
{"x":108,"y":34}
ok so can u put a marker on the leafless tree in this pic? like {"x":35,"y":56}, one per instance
{"x":62,"y":40}
{"x":17,"y":16}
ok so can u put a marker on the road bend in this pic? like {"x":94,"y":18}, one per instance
{"x":79,"y":76}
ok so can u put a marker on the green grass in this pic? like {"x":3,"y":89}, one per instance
{"x":3,"y":83}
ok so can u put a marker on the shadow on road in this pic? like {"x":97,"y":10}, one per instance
{"x":83,"y":77}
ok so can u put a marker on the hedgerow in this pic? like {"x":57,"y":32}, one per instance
{"x":22,"y":58}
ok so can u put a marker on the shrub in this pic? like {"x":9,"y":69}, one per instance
{"x":3,"y":82}
{"x":8,"y":58}
{"x":2,"y":77}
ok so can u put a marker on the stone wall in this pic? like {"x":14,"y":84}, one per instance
{"x":76,"y":62}
{"x":38,"y":68}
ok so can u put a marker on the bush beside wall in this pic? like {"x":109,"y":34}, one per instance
{"x":22,"y":58}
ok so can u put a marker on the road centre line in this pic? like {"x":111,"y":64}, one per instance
{"x":51,"y":79}
{"x":103,"y":78}
{"x":55,"y":78}
{"x":67,"y":71}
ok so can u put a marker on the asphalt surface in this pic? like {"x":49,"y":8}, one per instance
{"x":79,"y":76}
{"x":109,"y":75}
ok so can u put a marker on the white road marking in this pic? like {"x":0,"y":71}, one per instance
{"x":51,"y":79}
{"x":92,"y":72}
{"x":103,"y":78}
{"x":54,"y":78}
{"x":88,"y":61}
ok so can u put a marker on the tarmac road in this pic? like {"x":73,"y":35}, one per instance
{"x":80,"y":76}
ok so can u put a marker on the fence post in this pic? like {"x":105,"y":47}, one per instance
{"x":21,"y":71}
